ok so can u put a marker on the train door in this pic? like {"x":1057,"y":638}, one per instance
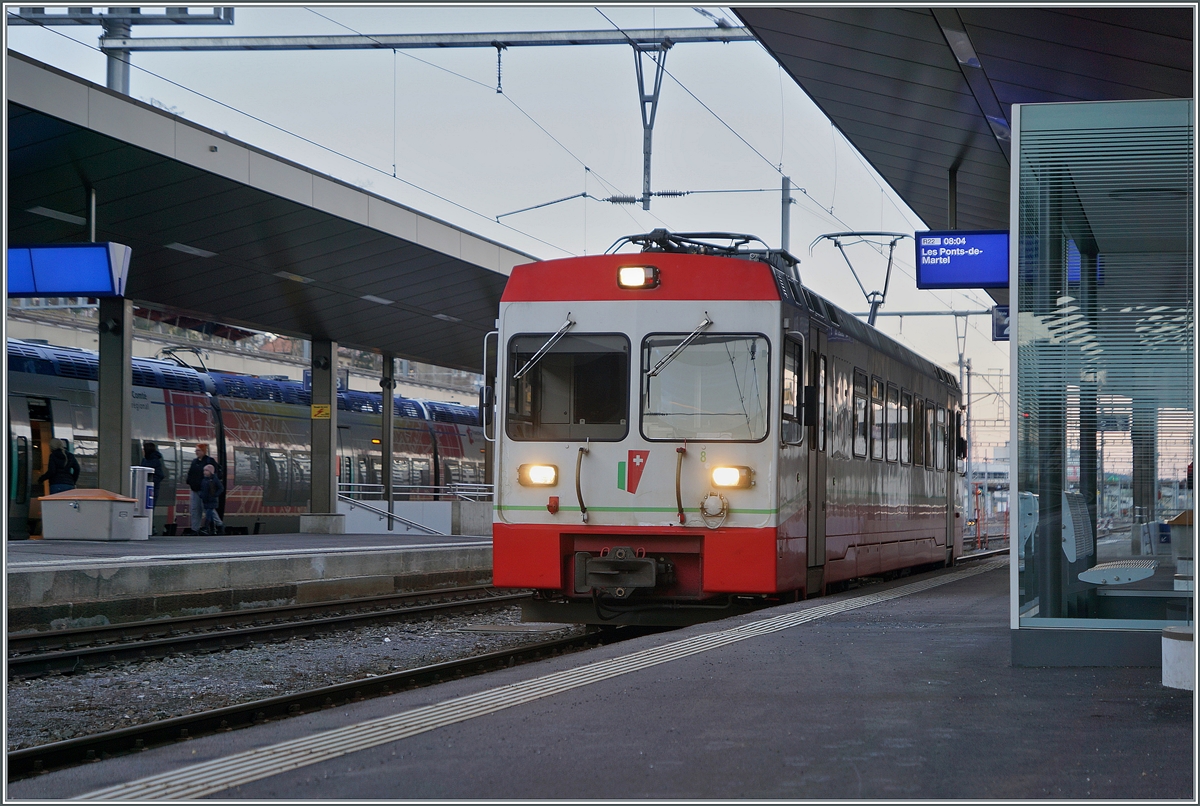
{"x":20,"y":478}
{"x":43,"y":426}
{"x":817,"y":416}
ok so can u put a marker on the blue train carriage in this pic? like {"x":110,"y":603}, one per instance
{"x":257,"y":429}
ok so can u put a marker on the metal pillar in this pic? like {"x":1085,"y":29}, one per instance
{"x":115,"y":395}
{"x":1088,"y":460}
{"x":1144,"y":436}
{"x":324,"y":429}
{"x":658,"y":52}
{"x":785,"y":224}
{"x":1051,"y":397}
{"x":118,"y":58}
{"x":387,"y":385}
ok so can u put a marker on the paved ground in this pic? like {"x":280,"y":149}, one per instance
{"x":912,"y":697}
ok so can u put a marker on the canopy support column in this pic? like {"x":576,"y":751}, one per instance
{"x":115,"y":395}
{"x":387,"y":385}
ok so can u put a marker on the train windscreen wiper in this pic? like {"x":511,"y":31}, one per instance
{"x":682,"y":346}
{"x":545,"y":348}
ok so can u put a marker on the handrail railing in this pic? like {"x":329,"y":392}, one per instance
{"x":464,"y":491}
{"x":391,"y":515}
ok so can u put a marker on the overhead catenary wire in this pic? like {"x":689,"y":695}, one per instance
{"x":612,"y":189}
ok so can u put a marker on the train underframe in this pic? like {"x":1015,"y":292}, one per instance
{"x":675,"y":577}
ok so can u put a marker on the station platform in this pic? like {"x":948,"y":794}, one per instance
{"x":897,"y":690}
{"x":64,"y":583}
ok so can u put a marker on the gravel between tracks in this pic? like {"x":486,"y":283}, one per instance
{"x":50,"y":709}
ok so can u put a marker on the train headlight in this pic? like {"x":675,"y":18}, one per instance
{"x":732,"y":477}
{"x":537,"y":475}
{"x":637,"y":277}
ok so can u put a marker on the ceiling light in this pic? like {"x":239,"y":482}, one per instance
{"x":446,"y":317}
{"x":296,"y":278}
{"x":380,"y":300}
{"x":190,"y":250}
{"x":48,"y":213}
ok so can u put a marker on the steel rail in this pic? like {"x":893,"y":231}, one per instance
{"x":70,"y":659}
{"x":71,"y":752}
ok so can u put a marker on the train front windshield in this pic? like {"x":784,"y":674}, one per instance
{"x":715,"y":389}
{"x":578,"y":389}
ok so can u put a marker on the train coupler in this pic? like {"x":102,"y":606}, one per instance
{"x":620,"y":572}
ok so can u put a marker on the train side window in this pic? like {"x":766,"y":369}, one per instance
{"x":930,"y":428}
{"x":918,"y":432}
{"x":247,"y":467}
{"x":168,"y":488}
{"x":275,"y":478}
{"x":20,"y":483}
{"x":822,"y":401}
{"x":793,"y":401}
{"x":86,"y":453}
{"x":421,"y":472}
{"x":401,"y":474}
{"x":300,"y":490}
{"x":940,"y":436}
{"x":893,"y":423}
{"x":876,"y":419}
{"x":906,"y":402}
{"x":860,"y":414}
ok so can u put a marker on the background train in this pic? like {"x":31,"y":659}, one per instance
{"x":688,"y":429}
{"x":257,"y":429}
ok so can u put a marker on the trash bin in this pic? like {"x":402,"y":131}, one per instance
{"x":143,"y":508}
{"x":87,"y":515}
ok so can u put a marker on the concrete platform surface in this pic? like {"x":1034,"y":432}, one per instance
{"x":898,"y":690}
{"x":63,"y":583}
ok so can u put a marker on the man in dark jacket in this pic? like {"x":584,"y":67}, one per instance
{"x":210,"y":495}
{"x":63,"y":471}
{"x":194,"y":477}
{"x":152,"y":459}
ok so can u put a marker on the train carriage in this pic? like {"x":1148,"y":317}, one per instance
{"x":687,"y":430}
{"x":258,"y":430}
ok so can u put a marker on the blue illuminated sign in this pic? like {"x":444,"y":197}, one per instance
{"x":68,"y":270}
{"x":961,"y":259}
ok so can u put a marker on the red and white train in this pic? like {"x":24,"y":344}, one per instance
{"x":685,"y":431}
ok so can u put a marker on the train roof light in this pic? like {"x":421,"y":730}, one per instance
{"x":637,"y":277}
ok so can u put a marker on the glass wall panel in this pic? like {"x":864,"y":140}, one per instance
{"x":1105,"y":345}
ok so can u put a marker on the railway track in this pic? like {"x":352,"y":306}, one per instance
{"x":66,"y":651}
{"x":86,"y":749}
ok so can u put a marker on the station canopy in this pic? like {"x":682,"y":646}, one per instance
{"x":922,"y":91}
{"x":225,"y":232}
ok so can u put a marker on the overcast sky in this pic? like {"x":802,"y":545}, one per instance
{"x":567,"y":122}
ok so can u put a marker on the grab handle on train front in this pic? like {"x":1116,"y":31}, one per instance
{"x":487,"y":393}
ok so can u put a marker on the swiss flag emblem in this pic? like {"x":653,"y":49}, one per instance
{"x":637,"y":463}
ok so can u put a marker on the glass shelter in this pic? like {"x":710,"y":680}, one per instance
{"x":1103,"y":274}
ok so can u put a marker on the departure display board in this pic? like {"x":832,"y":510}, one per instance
{"x":962,"y":259}
{"x":68,"y":270}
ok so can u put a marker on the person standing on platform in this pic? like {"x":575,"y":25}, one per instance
{"x":152,"y":459}
{"x":194,"y":477}
{"x":63,"y":471}
{"x":210,"y":495}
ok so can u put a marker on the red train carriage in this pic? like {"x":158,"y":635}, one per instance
{"x":688,"y":430}
{"x":258,"y":430}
